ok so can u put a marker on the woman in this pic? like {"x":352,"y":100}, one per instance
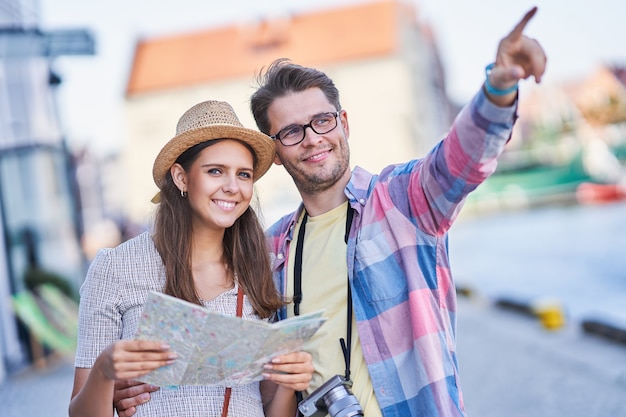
{"x":207,"y":245}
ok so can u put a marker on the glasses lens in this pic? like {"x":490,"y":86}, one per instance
{"x":291,"y":134}
{"x":324,"y":123}
{"x":294,"y":134}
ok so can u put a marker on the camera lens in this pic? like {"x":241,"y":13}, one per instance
{"x":341,"y":403}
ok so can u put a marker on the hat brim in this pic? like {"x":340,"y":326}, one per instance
{"x":261,"y":144}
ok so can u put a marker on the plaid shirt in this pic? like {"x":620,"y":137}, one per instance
{"x":403,"y":293}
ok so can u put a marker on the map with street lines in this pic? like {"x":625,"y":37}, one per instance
{"x":214,"y":349}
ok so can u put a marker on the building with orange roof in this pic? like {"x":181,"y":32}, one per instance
{"x":382,"y":58}
{"x":601,"y":97}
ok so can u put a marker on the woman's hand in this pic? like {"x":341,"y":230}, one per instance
{"x":286,"y":374}
{"x":130,"y":359}
{"x":293,"y":370}
{"x":93,"y":392}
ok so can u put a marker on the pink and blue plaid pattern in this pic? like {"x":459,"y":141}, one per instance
{"x":403,"y":293}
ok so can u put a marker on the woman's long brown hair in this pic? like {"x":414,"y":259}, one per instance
{"x":245,"y":249}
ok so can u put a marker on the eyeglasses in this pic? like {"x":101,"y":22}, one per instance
{"x":320,"y":124}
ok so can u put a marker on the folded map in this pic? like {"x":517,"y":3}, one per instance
{"x":214,"y":349}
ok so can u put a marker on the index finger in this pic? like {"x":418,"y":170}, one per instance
{"x":126,"y":383}
{"x":518,"y":30}
{"x":293,"y":357}
{"x":145,"y":345}
{"x":126,"y":397}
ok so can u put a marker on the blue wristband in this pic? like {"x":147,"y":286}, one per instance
{"x":493,"y":90}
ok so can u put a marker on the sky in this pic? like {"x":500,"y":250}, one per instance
{"x":577,"y":35}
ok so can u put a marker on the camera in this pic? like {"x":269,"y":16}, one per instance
{"x":334,"y":397}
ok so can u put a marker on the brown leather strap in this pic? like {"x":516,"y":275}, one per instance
{"x":226,"y":402}
{"x":239,"y":302}
{"x":228,"y":389}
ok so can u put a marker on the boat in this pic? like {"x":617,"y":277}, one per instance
{"x":594,"y":193}
{"x":531,"y":186}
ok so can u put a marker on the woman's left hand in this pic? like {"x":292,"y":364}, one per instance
{"x":292,"y":370}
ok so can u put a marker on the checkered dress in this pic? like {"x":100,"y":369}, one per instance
{"x":112,"y":297}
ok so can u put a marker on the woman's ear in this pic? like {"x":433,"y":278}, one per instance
{"x":179,"y":175}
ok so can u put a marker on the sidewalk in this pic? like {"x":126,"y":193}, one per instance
{"x":510,"y":366}
{"x":39,"y":392}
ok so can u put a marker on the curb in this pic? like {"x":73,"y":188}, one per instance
{"x":550,"y":312}
{"x":551,"y":315}
{"x":605,"y":330}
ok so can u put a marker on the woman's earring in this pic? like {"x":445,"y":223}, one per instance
{"x":183,"y":194}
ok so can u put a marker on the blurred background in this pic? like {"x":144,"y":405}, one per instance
{"x":90,"y":91}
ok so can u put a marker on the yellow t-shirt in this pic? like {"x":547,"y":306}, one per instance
{"x":324,"y":261}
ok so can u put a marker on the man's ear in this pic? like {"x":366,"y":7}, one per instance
{"x":277,"y":160}
{"x":344,"y":123}
{"x":179,"y":175}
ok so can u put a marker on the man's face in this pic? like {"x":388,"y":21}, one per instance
{"x":320,"y":160}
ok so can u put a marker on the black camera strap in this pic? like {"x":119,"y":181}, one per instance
{"x":297,"y":286}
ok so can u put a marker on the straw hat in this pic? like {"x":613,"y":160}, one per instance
{"x":206,"y":121}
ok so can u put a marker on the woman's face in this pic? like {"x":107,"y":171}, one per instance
{"x":219,"y":184}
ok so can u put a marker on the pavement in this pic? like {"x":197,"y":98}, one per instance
{"x":510,"y":364}
{"x":39,"y":392}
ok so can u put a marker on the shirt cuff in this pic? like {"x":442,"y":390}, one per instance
{"x":492,"y":113}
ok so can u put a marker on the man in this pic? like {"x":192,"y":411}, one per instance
{"x":372,"y":249}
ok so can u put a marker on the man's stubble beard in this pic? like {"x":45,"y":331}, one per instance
{"x":317,"y":183}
